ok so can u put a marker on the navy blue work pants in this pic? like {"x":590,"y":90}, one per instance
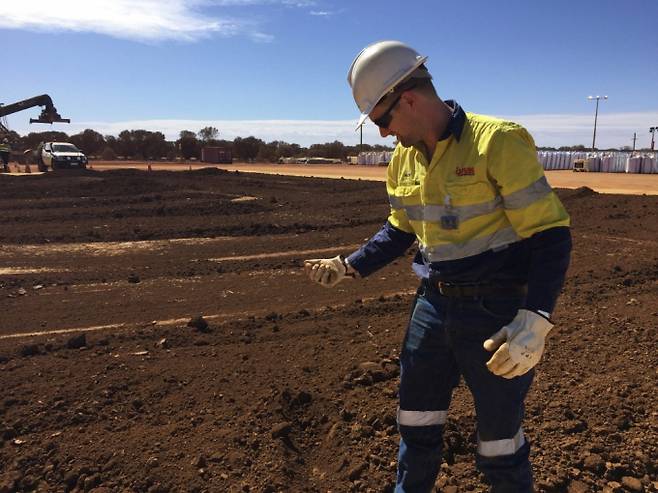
{"x":444,"y":342}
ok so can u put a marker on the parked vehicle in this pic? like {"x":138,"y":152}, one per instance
{"x":60,"y":155}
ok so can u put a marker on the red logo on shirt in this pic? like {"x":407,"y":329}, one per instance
{"x":466,"y":171}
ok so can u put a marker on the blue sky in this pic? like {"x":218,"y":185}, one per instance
{"x":277,"y":69}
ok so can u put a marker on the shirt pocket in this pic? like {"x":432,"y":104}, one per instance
{"x":408,"y":194}
{"x":469,"y":192}
{"x":407,"y":190}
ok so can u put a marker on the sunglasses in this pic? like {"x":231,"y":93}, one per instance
{"x":385,"y":119}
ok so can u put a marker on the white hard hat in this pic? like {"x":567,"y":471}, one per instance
{"x":378,"y":69}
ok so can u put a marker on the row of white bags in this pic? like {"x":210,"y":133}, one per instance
{"x":606,"y":162}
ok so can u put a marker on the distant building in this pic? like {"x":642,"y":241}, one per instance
{"x":216,"y":155}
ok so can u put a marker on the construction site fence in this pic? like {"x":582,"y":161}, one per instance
{"x":604,"y":162}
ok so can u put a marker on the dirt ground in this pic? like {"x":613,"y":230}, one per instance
{"x":107,"y":386}
{"x":617,"y":183}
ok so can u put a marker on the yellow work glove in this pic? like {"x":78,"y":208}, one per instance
{"x":326,"y":271}
{"x":519,"y":345}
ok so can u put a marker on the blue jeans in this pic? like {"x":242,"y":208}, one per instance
{"x":444,"y":342}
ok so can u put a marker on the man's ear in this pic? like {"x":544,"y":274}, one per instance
{"x":410,"y":98}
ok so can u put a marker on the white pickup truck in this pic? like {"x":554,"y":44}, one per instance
{"x":60,"y":155}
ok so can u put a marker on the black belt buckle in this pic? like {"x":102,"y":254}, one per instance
{"x":443,"y":288}
{"x":453,"y":290}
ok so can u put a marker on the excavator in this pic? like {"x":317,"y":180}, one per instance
{"x":48,"y":113}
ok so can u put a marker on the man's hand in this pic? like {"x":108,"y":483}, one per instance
{"x":326,"y":271}
{"x":519,"y":345}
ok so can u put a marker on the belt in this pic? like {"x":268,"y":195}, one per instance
{"x":452,"y":290}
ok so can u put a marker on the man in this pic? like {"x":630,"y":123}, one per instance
{"x":5,"y":150}
{"x":494,"y":247}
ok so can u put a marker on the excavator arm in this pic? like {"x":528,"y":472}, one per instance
{"x":48,"y":114}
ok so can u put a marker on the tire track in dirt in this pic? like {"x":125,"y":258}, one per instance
{"x":110,"y":249}
{"x":237,"y":315}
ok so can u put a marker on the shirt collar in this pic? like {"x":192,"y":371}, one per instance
{"x":456,"y":122}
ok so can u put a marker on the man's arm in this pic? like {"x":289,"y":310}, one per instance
{"x":388,"y":244}
{"x":550,"y":251}
{"x":535,"y":212}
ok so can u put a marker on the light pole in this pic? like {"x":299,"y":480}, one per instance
{"x":596,"y":114}
{"x":361,"y":141}
{"x":652,"y":130}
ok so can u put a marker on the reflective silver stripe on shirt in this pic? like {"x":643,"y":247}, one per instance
{"x":422,"y":418}
{"x":517,"y":200}
{"x":506,"y":446}
{"x":453,"y":251}
{"x":396,"y":202}
{"x":435,"y":212}
{"x":526,"y":196}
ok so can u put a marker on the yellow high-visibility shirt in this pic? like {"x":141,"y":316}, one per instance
{"x":482,"y":190}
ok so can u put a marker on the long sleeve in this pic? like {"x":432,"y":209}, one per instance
{"x":549,"y":260}
{"x":534,"y":211}
{"x":384,"y":247}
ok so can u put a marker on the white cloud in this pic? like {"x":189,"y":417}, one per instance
{"x":139,"y":20}
{"x":247,"y":3}
{"x":300,"y":3}
{"x":320,"y":13}
{"x":613,"y":130}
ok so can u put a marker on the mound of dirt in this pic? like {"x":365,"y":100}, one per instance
{"x":579,"y":193}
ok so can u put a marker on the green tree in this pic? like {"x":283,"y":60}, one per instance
{"x":208,"y":135}
{"x":246,"y":149}
{"x":89,"y":141}
{"x":267,"y":152}
{"x":333,"y":149}
{"x":125,"y":144}
{"x":579,"y":147}
{"x":33,"y":139}
{"x":188,"y":145}
{"x":153,"y":145}
{"x":111,"y":142}
{"x":284,"y":149}
{"x":108,"y":154}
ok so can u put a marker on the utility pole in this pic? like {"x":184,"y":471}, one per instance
{"x":652,"y":130}
{"x":361,"y":141}
{"x":596,"y":114}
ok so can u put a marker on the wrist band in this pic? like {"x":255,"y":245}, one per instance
{"x":346,"y":265}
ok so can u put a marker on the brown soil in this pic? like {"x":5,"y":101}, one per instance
{"x":617,"y":183}
{"x":290,"y":387}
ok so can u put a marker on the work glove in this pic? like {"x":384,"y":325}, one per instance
{"x":519,"y":345}
{"x":326,"y":271}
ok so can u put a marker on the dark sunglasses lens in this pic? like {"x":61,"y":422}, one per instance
{"x":383,"y":121}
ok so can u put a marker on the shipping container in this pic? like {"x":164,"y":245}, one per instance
{"x":216,"y":155}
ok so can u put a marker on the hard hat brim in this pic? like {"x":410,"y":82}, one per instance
{"x":362,"y":120}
